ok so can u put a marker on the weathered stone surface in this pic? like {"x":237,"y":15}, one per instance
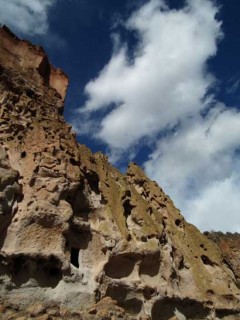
{"x":84,"y":235}
{"x":229,"y":245}
{"x":10,"y":190}
{"x":36,"y":310}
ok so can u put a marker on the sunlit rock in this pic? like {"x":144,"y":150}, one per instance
{"x":75,"y":231}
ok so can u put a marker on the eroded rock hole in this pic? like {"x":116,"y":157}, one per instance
{"x":117,"y":292}
{"x":129,"y":237}
{"x":23,"y":154}
{"x":166,"y":308}
{"x":44,"y":220}
{"x":163,"y":239}
{"x":120,"y":266}
{"x":32,"y":181}
{"x":222,"y":313}
{"x":148,"y":293}
{"x":203,"y":247}
{"x":150,"y":265}
{"x":144,"y":238}
{"x":132,"y":306}
{"x":74,"y":162}
{"x":79,"y":202}
{"x":30,"y":93}
{"x":127,"y":207}
{"x":44,"y":69}
{"x":177,"y":222}
{"x":181,"y":264}
{"x":207,"y":261}
{"x":46,"y":272}
{"x":17,"y":264}
{"x":93,"y":180}
{"x":127,"y":194}
{"x":54,"y":272}
{"x":75,"y":257}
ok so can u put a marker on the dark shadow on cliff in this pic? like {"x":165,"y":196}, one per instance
{"x":166,"y":308}
{"x":44,"y":273}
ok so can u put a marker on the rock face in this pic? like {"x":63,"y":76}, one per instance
{"x":229,"y":245}
{"x":74,"y":230}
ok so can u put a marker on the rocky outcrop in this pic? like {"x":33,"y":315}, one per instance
{"x":75,"y":231}
{"x":229,"y":244}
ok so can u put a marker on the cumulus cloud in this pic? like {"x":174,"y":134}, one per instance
{"x":165,"y":81}
{"x":199,"y":165}
{"x":163,"y":93}
{"x":26,"y":16}
{"x":217,"y":207}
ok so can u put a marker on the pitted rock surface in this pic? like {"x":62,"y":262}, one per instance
{"x":77,"y":232}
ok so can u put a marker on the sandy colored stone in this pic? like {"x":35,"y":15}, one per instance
{"x":36,"y":310}
{"x":229,"y":245}
{"x":45,"y":317}
{"x":53,"y":312}
{"x":78,"y":233}
{"x":2,"y":308}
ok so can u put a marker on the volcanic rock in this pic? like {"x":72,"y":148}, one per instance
{"x":229,"y":245}
{"x":76,"y":232}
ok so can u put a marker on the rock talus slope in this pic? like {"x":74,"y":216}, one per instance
{"x":74,"y":230}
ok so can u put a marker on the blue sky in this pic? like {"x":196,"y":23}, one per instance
{"x":155,"y":82}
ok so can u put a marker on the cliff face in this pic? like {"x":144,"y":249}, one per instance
{"x":74,"y":230}
{"x":229,"y":245}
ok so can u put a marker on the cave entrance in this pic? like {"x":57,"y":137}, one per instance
{"x":75,"y":257}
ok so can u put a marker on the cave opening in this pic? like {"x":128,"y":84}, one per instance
{"x":75,"y":257}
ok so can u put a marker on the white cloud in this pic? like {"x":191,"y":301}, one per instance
{"x":161,"y":93}
{"x":217,"y":208}
{"x":165,"y":81}
{"x":26,"y":16}
{"x":199,"y":167}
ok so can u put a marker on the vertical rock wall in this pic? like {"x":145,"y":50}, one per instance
{"x":74,"y":229}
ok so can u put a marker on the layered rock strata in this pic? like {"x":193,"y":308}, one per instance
{"x":74,"y":230}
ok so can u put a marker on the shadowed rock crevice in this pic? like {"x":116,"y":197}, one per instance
{"x":121,"y":266}
{"x":223,"y":313}
{"x":122,"y":294}
{"x":21,"y":270}
{"x":75,"y":257}
{"x":117,"y":292}
{"x":190,"y":309}
{"x":150,"y":265}
{"x":207,"y":261}
{"x":77,"y":241}
{"x":44,"y":70}
{"x":132,"y":306}
{"x":10,"y":194}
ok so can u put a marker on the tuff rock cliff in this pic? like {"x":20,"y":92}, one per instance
{"x":229,"y":245}
{"x":77,"y":234}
